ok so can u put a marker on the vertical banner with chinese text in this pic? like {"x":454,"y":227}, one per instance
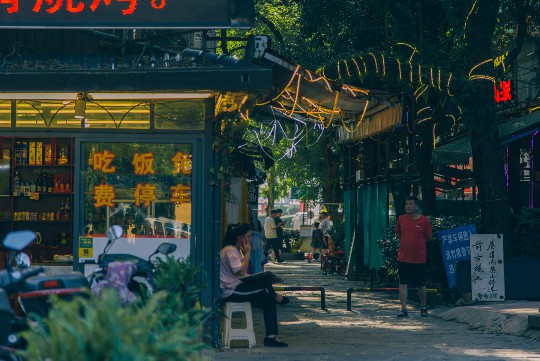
{"x":487,"y":267}
{"x":455,"y":246}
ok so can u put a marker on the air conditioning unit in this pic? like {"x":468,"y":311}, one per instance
{"x":359,"y":175}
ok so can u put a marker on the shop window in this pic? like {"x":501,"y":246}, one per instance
{"x":145,"y":188}
{"x":5,"y":113}
{"x":179,"y":115}
{"x":63,"y":114}
{"x":117,"y":114}
{"x":29,"y":114}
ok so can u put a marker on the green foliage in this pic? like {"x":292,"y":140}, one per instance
{"x":389,"y":245}
{"x":337,"y":232}
{"x":179,"y":279}
{"x":527,"y":243}
{"x":99,"y":329}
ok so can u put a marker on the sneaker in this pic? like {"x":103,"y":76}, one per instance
{"x":274,"y":342}
{"x":403,"y":313}
{"x":284,"y":300}
{"x":423,"y":312}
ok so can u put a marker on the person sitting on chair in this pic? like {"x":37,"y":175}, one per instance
{"x":234,"y":262}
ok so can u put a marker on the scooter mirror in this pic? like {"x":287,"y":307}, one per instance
{"x":23,"y":260}
{"x":166,"y":248}
{"x":114,"y":232}
{"x":19,"y":239}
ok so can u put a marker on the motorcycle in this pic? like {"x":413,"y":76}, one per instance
{"x":34,"y":290}
{"x":129,"y":275}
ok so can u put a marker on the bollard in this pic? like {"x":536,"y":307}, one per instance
{"x":306,"y":288}
{"x":388,"y":289}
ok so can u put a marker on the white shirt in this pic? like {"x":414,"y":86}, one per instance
{"x":230,"y":263}
{"x":325,"y":226}
{"x":270,"y":227}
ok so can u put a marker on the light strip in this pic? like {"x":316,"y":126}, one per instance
{"x":104,"y":96}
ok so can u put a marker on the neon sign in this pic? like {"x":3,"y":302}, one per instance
{"x":503,"y":92}
{"x":126,"y":13}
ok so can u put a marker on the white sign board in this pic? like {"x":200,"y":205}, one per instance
{"x":487,"y":267}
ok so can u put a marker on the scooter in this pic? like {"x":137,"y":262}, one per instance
{"x":140,"y":276}
{"x":33,"y":289}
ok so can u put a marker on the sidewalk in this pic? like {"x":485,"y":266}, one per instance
{"x":371,"y":331}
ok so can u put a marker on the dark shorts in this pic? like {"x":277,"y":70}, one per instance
{"x":325,"y":242}
{"x":412,"y":274}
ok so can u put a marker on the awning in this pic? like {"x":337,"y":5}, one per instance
{"x":358,"y":112}
{"x":459,"y":150}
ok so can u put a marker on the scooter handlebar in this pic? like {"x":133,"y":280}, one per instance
{"x":32,"y":272}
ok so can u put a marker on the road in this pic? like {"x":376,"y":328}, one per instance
{"x":371,"y":331}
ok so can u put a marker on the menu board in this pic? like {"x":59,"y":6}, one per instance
{"x":487,"y":267}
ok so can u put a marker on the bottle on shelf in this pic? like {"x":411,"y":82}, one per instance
{"x":56,"y":188}
{"x":65,"y":213}
{"x":44,"y":181}
{"x":16,"y":184}
{"x":38,"y":182}
{"x":50,"y":184}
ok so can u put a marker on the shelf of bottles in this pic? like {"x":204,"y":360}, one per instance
{"x":41,"y":192}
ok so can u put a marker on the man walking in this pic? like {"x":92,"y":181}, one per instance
{"x":270,"y":233}
{"x":413,"y":231}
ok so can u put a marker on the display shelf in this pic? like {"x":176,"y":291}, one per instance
{"x":43,"y":166}
{"x":46,"y":194}
{"x":34,"y":221}
{"x":26,"y":150}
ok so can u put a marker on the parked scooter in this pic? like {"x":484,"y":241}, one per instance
{"x":129,"y":275}
{"x":33,"y":290}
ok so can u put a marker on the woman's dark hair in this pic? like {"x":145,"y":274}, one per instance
{"x":233,"y":231}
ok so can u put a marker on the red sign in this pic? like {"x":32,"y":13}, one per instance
{"x":130,"y":14}
{"x":503,"y":92}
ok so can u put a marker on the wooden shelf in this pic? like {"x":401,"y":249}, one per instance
{"x":23,"y":220}
{"x":43,"y":165}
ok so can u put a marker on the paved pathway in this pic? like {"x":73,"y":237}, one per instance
{"x":371,"y":331}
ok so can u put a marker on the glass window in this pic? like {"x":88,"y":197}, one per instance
{"x":5,"y":113}
{"x":117,"y":114}
{"x":145,"y":188}
{"x":29,"y":114}
{"x":179,"y":115}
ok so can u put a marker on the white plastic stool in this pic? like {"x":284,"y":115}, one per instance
{"x":246,"y":333}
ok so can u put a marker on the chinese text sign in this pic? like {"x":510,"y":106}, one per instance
{"x":455,"y":246}
{"x":487,"y":267}
{"x":126,"y":13}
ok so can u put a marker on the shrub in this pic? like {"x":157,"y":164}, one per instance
{"x":436,"y":274}
{"x":98,"y":329}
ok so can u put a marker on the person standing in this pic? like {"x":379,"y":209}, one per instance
{"x":316,"y":241}
{"x":413,"y":231}
{"x":270,"y":232}
{"x":280,"y":234}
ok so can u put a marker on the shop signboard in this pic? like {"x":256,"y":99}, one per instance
{"x":455,"y":246}
{"x":131,"y":14}
{"x":487,"y":267}
{"x":86,"y":247}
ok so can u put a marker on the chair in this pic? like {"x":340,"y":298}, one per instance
{"x":245,"y":333}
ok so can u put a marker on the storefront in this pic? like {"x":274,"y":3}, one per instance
{"x":83,"y":150}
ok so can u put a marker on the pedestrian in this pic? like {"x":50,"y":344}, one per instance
{"x":271,"y":234}
{"x":413,"y":231}
{"x":280,"y":225}
{"x":324,"y":226}
{"x":316,"y":241}
{"x":234,"y":262}
{"x":257,"y":259}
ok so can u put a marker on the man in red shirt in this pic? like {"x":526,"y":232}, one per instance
{"x":413,"y":231}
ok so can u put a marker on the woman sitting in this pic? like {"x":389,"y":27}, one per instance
{"x":234,"y":262}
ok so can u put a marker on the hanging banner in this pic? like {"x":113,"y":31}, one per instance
{"x":455,"y":246}
{"x":487,"y":267}
{"x":132,"y":14}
